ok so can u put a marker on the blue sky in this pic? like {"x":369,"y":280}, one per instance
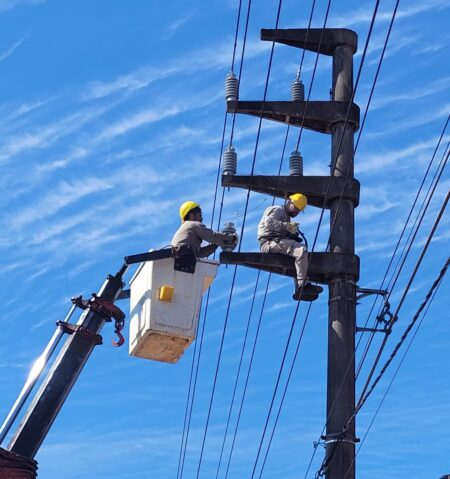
{"x":111,"y":115}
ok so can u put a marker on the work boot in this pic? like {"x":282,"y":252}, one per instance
{"x":310,"y":292}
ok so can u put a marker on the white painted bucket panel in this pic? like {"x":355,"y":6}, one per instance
{"x":162,"y":330}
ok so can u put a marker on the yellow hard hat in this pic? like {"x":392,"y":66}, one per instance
{"x":186,"y":207}
{"x":300,"y":201}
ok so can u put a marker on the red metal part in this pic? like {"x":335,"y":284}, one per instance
{"x":15,"y":466}
{"x":119,"y":326}
{"x":107,"y":309}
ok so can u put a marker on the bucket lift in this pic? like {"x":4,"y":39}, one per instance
{"x":164,"y":308}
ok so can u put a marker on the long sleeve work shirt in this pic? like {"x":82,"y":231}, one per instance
{"x":192,"y":233}
{"x":274,"y":223}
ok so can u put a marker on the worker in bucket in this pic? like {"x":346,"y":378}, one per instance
{"x":192,"y":232}
{"x":278,"y":234}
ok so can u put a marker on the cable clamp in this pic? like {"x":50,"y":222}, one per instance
{"x":339,"y":437}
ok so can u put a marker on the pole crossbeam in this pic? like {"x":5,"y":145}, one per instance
{"x":320,"y":190}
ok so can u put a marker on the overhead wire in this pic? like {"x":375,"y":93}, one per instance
{"x":361,"y":63}
{"x":308,"y":311}
{"x":385,"y":275}
{"x":365,"y":395}
{"x":395,"y":315}
{"x":436,"y":285}
{"x":254,"y":295}
{"x":369,"y":100}
{"x":360,"y":69}
{"x":298,"y":304}
{"x":240,"y":244}
{"x":190,"y":400}
{"x":406,"y":248}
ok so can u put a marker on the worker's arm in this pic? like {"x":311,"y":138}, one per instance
{"x":205,"y":251}
{"x":219,"y":239}
{"x":273,"y":221}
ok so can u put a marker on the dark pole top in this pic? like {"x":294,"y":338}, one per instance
{"x":320,"y":40}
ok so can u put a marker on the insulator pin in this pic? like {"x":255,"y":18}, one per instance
{"x":231,"y":87}
{"x":229,"y":160}
{"x":230,"y":229}
{"x":297,"y":90}
{"x":296,"y":164}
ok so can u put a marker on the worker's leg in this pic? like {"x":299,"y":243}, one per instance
{"x":290,"y":248}
{"x":298,"y":252}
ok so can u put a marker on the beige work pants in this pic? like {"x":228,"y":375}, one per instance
{"x":291,"y":248}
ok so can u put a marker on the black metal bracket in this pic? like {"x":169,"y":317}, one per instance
{"x":75,"y":328}
{"x":323,"y":267}
{"x":124,"y":294}
{"x":364,"y":292}
{"x":385,"y":312}
{"x":314,"y":115}
{"x":148,"y":256}
{"x":321,"y":40}
{"x":320,"y":190}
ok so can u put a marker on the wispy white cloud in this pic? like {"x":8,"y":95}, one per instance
{"x":65,"y":194}
{"x":390,"y":158}
{"x":205,"y":59}
{"x":45,"y":136}
{"x":365,"y":16}
{"x":10,"y":4}
{"x":4,"y":55}
{"x":172,"y":29}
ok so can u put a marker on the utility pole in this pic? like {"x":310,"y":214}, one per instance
{"x":339,"y":193}
{"x":340,"y":449}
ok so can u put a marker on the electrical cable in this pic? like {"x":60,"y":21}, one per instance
{"x":238,"y":372}
{"x":369,"y":342}
{"x":362,"y":62}
{"x":240,"y":244}
{"x":364,"y":396}
{"x":298,"y":304}
{"x":441,"y":169}
{"x":184,"y":435}
{"x":254,"y":294}
{"x":189,"y":413}
{"x":395,"y":315}
{"x":439,"y":282}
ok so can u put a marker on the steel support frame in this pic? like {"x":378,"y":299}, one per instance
{"x":61,"y":377}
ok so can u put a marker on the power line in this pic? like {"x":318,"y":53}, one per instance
{"x":346,"y":120}
{"x":364,"y":395}
{"x":395,"y":315}
{"x":405,"y":247}
{"x":187,"y":421}
{"x":436,"y":286}
{"x":430,"y":237}
{"x":240,"y":244}
{"x":238,"y":373}
{"x":298,"y":304}
{"x":254,"y":294}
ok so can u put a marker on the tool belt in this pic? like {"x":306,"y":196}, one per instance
{"x":277,"y":238}
{"x":184,"y":259}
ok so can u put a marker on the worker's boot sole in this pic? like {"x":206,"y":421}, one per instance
{"x":310,"y":292}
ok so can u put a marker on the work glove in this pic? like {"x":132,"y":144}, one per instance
{"x":292,"y":228}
